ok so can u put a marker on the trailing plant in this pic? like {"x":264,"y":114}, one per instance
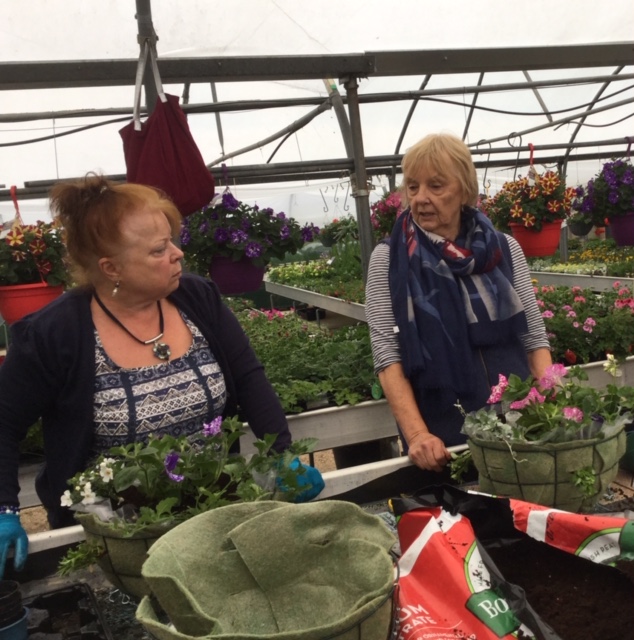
{"x":384,"y":213}
{"x":169,"y":479}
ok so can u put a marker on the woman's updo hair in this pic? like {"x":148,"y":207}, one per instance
{"x":448,"y":155}
{"x":90,"y":211}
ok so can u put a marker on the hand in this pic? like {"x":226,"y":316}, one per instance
{"x":310,"y":478}
{"x":428,"y":452}
{"x":12,"y":533}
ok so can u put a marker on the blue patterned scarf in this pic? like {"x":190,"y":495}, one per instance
{"x":450,"y":298}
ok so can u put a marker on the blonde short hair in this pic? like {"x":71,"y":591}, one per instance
{"x":449,"y":156}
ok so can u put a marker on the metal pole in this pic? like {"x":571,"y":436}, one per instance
{"x":146,"y":32}
{"x":340,"y":112}
{"x":359,"y":180}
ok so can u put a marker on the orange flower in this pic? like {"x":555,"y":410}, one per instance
{"x":516,"y":210}
{"x":554,"y":206}
{"x":549,"y":181}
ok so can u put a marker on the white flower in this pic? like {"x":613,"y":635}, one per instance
{"x":612,"y":366}
{"x":106,"y":472}
{"x":67,"y":501}
{"x":89,"y":496}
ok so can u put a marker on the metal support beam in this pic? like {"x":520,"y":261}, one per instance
{"x":147,"y":33}
{"x":359,"y":180}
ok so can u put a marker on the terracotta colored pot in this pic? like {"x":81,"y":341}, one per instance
{"x":18,"y":300}
{"x":537,"y":244}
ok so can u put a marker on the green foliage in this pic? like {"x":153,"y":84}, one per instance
{"x":339,"y":230}
{"x":170,"y":479}
{"x":459,"y":465}
{"x":384,"y":213}
{"x":585,"y":479}
{"x":317,"y":363}
{"x":81,"y":556}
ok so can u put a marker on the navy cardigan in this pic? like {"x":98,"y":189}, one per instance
{"x":49,"y":372}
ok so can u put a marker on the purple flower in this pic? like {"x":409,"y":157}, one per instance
{"x":253,"y":250}
{"x":204,"y":226}
{"x":238,"y":236}
{"x":245,"y":224}
{"x":285,"y":232}
{"x":613,"y":197}
{"x":221,"y":236}
{"x":229,"y":202}
{"x":281,"y":215}
{"x":185,"y":236}
{"x":171,"y":460}
{"x":212,"y":428}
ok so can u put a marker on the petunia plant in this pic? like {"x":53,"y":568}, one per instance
{"x":170,"y":479}
{"x":32,"y":253}
{"x":556,"y":408}
{"x":530,"y":204}
{"x":233,"y":229}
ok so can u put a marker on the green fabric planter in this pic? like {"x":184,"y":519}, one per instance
{"x":543,"y":474}
{"x":273,"y":570}
{"x":124,"y":556}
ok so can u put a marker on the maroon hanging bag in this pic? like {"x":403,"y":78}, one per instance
{"x":161,"y":152}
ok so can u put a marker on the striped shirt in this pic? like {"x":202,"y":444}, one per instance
{"x":380,"y":317}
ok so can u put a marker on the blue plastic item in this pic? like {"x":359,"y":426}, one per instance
{"x":19,"y":630}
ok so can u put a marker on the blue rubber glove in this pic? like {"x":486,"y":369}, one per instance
{"x":12,"y":533}
{"x":311,"y":478}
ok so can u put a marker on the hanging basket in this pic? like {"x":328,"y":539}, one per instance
{"x":579,"y":228}
{"x":18,"y":300}
{"x":545,"y":474}
{"x":622,"y":228}
{"x":235,"y":277}
{"x":122,"y":556}
{"x":537,"y":244}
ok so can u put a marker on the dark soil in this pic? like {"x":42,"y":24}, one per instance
{"x":579,"y":599}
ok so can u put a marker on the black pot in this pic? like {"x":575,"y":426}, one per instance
{"x":11,"y":609}
{"x":579,"y":228}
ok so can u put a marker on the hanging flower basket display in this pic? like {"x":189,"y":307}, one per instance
{"x":532,"y":210}
{"x":244,"y":236}
{"x":18,"y":300}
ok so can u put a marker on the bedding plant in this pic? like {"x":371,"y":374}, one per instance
{"x":584,"y":326}
{"x":159,"y":484}
{"x":233,"y":229}
{"x":321,"y":367}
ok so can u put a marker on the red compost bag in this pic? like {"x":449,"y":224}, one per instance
{"x":448,"y":586}
{"x":161,"y":152}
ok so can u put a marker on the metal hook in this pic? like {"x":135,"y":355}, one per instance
{"x":486,"y":185}
{"x":346,"y":207}
{"x":335,"y":196}
{"x":515,"y":135}
{"x":324,"y":199}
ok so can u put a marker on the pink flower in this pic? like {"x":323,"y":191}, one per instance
{"x":571,"y":314}
{"x":575,"y":325}
{"x":579,"y":299}
{"x":498,"y":390}
{"x":552,"y":376}
{"x":573,"y":413}
{"x":591,"y":322}
{"x":624,"y":291}
{"x":540,"y":303}
{"x":547,"y":314}
{"x":533,"y":396}
{"x":576,"y":289}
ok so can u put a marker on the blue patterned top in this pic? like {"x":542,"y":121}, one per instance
{"x":174,"y":397}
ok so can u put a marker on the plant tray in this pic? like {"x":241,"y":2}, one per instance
{"x":68,"y":613}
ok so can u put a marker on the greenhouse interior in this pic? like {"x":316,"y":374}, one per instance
{"x":394,"y":295}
